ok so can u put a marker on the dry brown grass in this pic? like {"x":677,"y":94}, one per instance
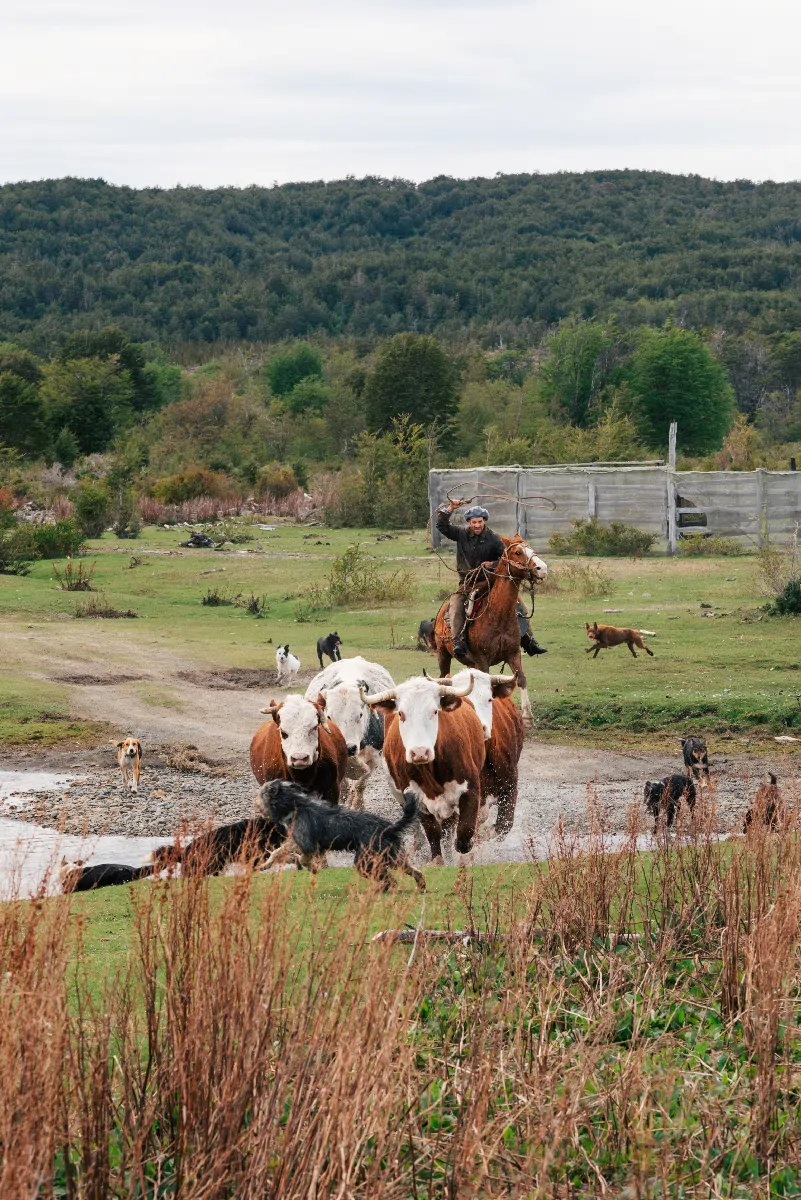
{"x":632,"y":1029}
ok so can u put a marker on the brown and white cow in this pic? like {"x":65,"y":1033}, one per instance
{"x":434,"y":747}
{"x":504,"y":734}
{"x":300,"y":744}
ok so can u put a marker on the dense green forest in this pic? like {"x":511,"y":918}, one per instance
{"x":163,"y":346}
{"x":484,"y":259}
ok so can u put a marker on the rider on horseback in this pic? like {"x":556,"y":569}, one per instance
{"x":476,"y":545}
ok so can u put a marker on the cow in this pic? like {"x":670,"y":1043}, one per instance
{"x":299,"y":743}
{"x":339,"y":687}
{"x":504,"y":733}
{"x":434,"y":747}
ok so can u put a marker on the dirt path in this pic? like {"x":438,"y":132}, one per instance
{"x":170,"y":704}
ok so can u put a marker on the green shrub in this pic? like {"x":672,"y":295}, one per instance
{"x":354,"y":579}
{"x":276,"y":479}
{"x":92,"y":508}
{"x":190,"y":484}
{"x":588,"y":579}
{"x":789,"y":602}
{"x":28,"y":543}
{"x":592,"y":539}
{"x":700,"y":544}
{"x":66,"y":449}
{"x":7,"y":518}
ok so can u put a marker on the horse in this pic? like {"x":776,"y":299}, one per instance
{"x":494,"y":634}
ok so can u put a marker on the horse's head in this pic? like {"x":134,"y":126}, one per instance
{"x":521,"y":561}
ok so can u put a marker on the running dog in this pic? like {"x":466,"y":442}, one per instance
{"x":329,"y":646}
{"x":606,"y":636}
{"x":129,"y":760}
{"x":210,"y":852}
{"x":314,"y":827}
{"x":77,"y":877}
{"x":666,"y":796}
{"x":287,"y":665}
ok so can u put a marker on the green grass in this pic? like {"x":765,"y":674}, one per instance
{"x":38,"y":713}
{"x":716,"y":674}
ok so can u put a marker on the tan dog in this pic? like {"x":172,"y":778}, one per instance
{"x":129,"y":758}
{"x":606,"y":636}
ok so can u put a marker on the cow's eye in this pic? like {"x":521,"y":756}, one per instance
{"x":283,"y":734}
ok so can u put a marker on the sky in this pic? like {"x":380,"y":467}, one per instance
{"x":237,"y":92}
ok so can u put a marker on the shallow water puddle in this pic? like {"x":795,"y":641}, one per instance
{"x":30,"y":854}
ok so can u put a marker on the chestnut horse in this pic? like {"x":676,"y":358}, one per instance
{"x":494,"y":634}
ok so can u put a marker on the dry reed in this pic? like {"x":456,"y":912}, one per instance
{"x":630,"y":1028}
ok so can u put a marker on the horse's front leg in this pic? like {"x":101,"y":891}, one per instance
{"x":515,"y":661}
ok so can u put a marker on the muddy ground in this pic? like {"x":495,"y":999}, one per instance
{"x":195,"y":766}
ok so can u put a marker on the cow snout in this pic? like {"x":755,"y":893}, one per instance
{"x":300,"y":760}
{"x":419,"y":754}
{"x":352,"y":749}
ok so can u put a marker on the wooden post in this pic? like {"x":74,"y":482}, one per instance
{"x":592,"y":499}
{"x":670,"y":480}
{"x":762,"y":508}
{"x":433,"y":503}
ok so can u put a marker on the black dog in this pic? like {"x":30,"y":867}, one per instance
{"x":210,"y":852}
{"x":75,"y":877}
{"x":696,"y":758}
{"x":666,"y":796}
{"x":425,"y":636}
{"x":329,"y":645}
{"x":314,"y":827}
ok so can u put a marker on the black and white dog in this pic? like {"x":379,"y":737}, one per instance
{"x":329,"y":646}
{"x":313,"y":827}
{"x":248,"y":840}
{"x":666,"y":796}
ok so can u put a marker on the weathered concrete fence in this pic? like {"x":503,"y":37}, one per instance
{"x":537,"y":501}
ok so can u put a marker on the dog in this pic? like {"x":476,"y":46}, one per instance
{"x":314,"y":827}
{"x":425,"y":636}
{"x":606,"y":636}
{"x":248,"y":840}
{"x":77,"y":877}
{"x":769,"y":808}
{"x":696,"y":760}
{"x":330,"y":646}
{"x":129,"y":760}
{"x":666,"y":796}
{"x":288,"y":666}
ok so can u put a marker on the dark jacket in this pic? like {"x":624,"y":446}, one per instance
{"x":471,"y":551}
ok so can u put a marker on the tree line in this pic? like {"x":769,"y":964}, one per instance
{"x":486,"y":260}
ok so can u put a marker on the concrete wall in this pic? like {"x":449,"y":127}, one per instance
{"x":539,"y":501}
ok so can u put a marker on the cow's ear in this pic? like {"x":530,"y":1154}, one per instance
{"x":503,"y":688}
{"x":449,"y":702}
{"x":386,"y":707}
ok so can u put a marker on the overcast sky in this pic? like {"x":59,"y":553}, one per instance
{"x":161,"y":92}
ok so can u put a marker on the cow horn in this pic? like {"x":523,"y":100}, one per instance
{"x":378,"y":698}
{"x":271,"y":710}
{"x":449,"y":690}
{"x":503,"y":678}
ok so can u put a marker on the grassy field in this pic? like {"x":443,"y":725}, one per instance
{"x":727,"y":673}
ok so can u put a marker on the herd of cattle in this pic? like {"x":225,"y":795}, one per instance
{"x":448,"y":746}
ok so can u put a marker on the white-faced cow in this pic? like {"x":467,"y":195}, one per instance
{"x":299,"y":743}
{"x":434,"y":746}
{"x":504,"y":733}
{"x":338,"y":688}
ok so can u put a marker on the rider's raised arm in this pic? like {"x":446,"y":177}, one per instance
{"x":444,"y":525}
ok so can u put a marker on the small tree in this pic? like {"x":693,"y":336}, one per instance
{"x":414,"y":377}
{"x":89,"y":396}
{"x":674,"y":377}
{"x":22,"y":412}
{"x":581,"y":362}
{"x":286,"y":370}
{"x":66,"y":449}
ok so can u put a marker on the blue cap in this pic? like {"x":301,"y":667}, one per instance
{"x":476,"y":511}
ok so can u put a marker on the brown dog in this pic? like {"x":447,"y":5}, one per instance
{"x":129,"y":759}
{"x":769,"y":807}
{"x":606,"y":636}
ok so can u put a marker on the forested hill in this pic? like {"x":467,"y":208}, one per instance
{"x":372,"y":256}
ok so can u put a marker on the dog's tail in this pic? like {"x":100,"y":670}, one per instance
{"x":410,"y":815}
